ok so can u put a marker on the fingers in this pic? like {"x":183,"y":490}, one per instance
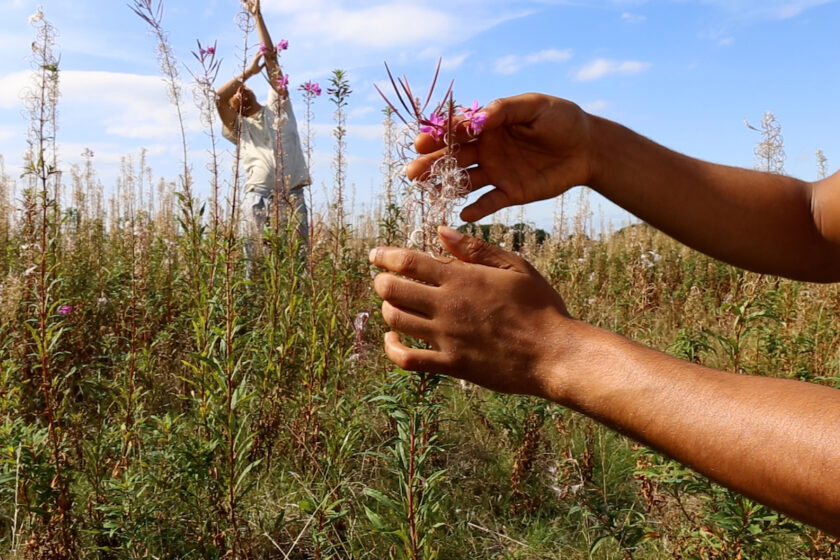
{"x":407,"y":323}
{"x":412,"y":264}
{"x":406,"y":294}
{"x":487,"y":203}
{"x":414,"y":359}
{"x":474,"y":250}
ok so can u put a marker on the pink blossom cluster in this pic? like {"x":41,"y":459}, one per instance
{"x":472,"y":117}
{"x":281,"y":46}
{"x":310,"y":89}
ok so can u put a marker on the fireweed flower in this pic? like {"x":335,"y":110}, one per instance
{"x":312,"y":89}
{"x":263,"y":48}
{"x":283,"y":82}
{"x":474,"y":117}
{"x":434,"y":126}
{"x":209,"y":51}
{"x":65,"y":310}
{"x":283,"y":45}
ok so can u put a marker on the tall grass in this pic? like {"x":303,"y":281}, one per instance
{"x":158,"y":400}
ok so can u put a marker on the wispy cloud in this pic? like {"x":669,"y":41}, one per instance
{"x":603,"y":67}
{"x":597,"y":106}
{"x":633,"y":18}
{"x":388,"y":24}
{"x":513,"y":63}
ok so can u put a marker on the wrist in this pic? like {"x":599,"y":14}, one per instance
{"x":563,"y":369}
{"x":598,"y":149}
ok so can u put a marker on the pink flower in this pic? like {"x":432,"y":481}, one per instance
{"x":477,"y":122}
{"x":468,"y":111}
{"x":283,"y":45}
{"x":263,"y":48}
{"x":283,"y":81}
{"x":434,"y":126}
{"x":475,"y":118}
{"x":65,"y":310}
{"x":311,"y":89}
{"x":209,"y":51}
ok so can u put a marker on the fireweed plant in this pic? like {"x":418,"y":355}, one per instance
{"x":409,"y":514}
{"x":430,"y":200}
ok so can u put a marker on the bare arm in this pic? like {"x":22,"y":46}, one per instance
{"x":535,"y":147}
{"x":271,"y":63}
{"x":490,"y":318}
{"x":759,"y":221}
{"x":229,"y":89}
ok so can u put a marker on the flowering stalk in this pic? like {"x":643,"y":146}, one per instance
{"x":45,"y":328}
{"x":431,"y":198}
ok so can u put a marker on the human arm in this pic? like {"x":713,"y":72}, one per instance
{"x":271,"y":63}
{"x":231,"y":87}
{"x":535,"y":147}
{"x":490,"y":318}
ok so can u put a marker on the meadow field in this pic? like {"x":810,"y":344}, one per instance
{"x":160,"y":397}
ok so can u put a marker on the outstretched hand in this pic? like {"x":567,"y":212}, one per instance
{"x":532,"y":147}
{"x":488,"y":315}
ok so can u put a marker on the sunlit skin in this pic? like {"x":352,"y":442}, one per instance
{"x":489,"y":317}
{"x":234,"y":96}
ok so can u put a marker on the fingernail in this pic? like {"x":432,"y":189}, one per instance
{"x":449,"y":235}
{"x":372,"y":254}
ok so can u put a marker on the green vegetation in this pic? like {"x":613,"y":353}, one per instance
{"x":162,"y":398}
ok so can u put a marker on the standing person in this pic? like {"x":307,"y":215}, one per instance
{"x":491,"y":318}
{"x":274,"y":164}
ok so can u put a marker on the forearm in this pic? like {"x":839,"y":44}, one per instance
{"x":776,"y":441}
{"x":759,"y":221}
{"x":270,"y":54}
{"x":226,"y":91}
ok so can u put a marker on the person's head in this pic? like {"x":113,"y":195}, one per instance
{"x":244,"y":101}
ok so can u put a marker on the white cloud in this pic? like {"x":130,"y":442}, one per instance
{"x":513,"y":63}
{"x":633,"y":18}
{"x":597,"y":106}
{"x":603,"y":67}
{"x":390,"y":23}
{"x":453,"y":62}
{"x":12,"y":87}
{"x":380,"y":26}
{"x":128,"y":105}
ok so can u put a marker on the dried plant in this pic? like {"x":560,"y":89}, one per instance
{"x":430,"y":200}
{"x":770,"y":151}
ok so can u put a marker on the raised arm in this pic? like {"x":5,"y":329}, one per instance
{"x":231,"y":88}
{"x":535,"y":147}
{"x":490,"y":318}
{"x":271,"y":63}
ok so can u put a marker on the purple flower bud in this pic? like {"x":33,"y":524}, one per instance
{"x":65,"y":310}
{"x":283,"y":45}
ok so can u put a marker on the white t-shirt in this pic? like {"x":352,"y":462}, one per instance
{"x":259,"y":150}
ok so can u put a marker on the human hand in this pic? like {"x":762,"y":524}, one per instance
{"x":253,"y":6}
{"x":256,"y":66}
{"x":532,"y":147}
{"x":488,"y":315}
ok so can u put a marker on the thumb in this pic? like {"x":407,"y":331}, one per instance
{"x":473,"y":250}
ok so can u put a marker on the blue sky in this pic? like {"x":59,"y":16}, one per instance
{"x":686,"y":73}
